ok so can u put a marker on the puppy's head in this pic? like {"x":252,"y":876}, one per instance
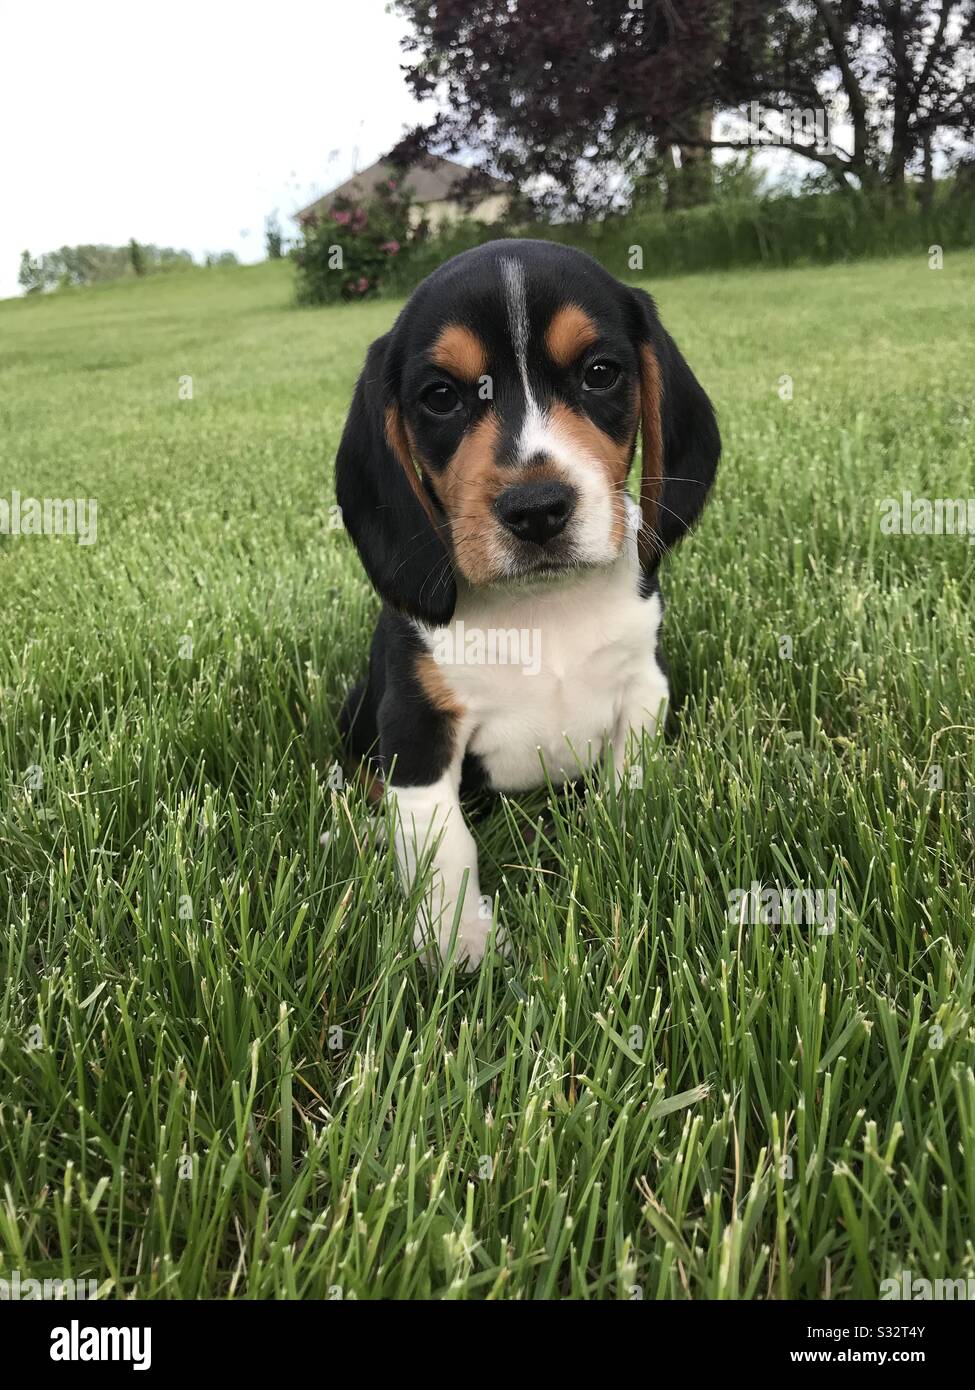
{"x":493,"y":428}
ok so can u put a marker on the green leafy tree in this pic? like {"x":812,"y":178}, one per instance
{"x":273,"y":240}
{"x":91,"y":265}
{"x":31,"y":274}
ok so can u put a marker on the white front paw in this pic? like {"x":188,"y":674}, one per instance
{"x":473,"y":932}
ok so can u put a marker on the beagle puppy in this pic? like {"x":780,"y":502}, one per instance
{"x":482,"y":475}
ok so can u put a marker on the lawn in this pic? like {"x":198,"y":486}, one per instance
{"x":222,"y":1071}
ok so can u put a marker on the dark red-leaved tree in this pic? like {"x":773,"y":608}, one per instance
{"x":583,"y":93}
{"x":594,"y":93}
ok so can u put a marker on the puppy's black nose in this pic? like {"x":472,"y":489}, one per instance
{"x":535,"y":511}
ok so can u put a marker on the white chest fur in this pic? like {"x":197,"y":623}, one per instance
{"x":549,"y":674}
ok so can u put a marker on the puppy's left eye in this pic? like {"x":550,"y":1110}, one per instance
{"x":600,"y":375}
{"x":440,"y":399}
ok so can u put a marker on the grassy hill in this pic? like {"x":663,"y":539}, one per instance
{"x":222,"y":1071}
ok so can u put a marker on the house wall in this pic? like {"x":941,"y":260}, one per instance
{"x":445,"y":211}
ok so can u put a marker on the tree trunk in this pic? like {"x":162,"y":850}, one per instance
{"x":927,"y":180}
{"x":900,"y":143}
{"x":693,"y":183}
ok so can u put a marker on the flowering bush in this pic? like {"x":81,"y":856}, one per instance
{"x":347,"y":252}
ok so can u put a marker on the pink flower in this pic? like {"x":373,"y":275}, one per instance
{"x":390,"y":246}
{"x":362,"y":284}
{"x":391,"y":185}
{"x":358,"y":220}
{"x":342,"y":218}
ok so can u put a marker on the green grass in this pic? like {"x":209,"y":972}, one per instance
{"x":187,"y":973}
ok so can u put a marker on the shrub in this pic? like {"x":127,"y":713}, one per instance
{"x":774,"y":231}
{"x":347,"y":254}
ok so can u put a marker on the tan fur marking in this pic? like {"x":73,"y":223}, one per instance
{"x":436,"y":687}
{"x":568,"y":335}
{"x":591,"y":440}
{"x":398,"y":440}
{"x":467,"y":487}
{"x":369,"y":778}
{"x":460,"y":351}
{"x":651,"y":481}
{"x":613,"y":458}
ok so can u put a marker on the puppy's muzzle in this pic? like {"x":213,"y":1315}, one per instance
{"x":535,"y":511}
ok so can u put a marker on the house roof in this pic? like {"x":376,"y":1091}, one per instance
{"x":432,"y":181}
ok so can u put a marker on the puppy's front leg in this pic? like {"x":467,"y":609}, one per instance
{"x":424,"y":729}
{"x":643,"y":705}
{"x":643,"y":710}
{"x":430,"y":829}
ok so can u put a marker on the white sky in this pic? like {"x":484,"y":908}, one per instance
{"x":186,"y":124}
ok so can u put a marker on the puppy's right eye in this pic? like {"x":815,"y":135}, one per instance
{"x":600,"y":375}
{"x":440,"y":399}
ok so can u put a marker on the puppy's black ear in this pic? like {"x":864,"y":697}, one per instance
{"x":384,"y":505}
{"x":681,"y":443}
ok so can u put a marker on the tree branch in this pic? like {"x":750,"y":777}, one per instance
{"x":932,"y":57}
{"x":836,"y":161}
{"x":858,"y":106}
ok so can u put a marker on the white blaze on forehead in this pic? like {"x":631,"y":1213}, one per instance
{"x":533,"y":431}
{"x":593,"y":526}
{"x":513,"y":278}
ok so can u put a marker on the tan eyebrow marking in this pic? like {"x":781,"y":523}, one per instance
{"x":568,"y":335}
{"x":460,"y":351}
